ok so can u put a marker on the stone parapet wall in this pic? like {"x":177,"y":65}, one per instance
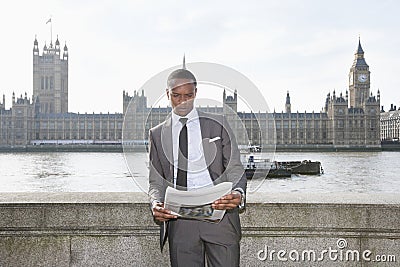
{"x":116,"y":229}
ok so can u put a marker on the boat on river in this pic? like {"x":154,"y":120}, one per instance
{"x":263,"y":168}
{"x":305,"y":167}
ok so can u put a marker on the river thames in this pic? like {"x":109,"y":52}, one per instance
{"x":358,"y":172}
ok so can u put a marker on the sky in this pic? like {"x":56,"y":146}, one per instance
{"x":305,"y":47}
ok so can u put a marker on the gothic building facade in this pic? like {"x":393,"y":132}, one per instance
{"x":346,"y":121}
{"x":349,"y":120}
{"x":390,"y":125}
{"x":44,"y":118}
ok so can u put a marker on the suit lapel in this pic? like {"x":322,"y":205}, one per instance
{"x":208,"y":150}
{"x":205,"y":131}
{"x":166,"y":143}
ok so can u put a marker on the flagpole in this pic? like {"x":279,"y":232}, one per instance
{"x":51,"y":32}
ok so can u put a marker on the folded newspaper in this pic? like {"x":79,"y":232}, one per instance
{"x":196,"y":204}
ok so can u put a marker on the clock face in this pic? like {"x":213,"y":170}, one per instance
{"x":362,"y":78}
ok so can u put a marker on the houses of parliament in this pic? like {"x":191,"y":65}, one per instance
{"x":348,"y":120}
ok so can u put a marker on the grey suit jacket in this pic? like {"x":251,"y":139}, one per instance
{"x":222,"y":158}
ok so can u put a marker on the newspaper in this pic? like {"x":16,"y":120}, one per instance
{"x":197,"y":204}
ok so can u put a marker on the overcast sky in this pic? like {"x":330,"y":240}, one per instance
{"x":306,"y":47}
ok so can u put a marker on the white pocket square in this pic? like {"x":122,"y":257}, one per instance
{"x":214,"y":139}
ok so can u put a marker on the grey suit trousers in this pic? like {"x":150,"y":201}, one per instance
{"x":193,"y":242}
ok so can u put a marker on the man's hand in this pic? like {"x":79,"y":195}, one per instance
{"x":161,"y":214}
{"x":228,"y":202}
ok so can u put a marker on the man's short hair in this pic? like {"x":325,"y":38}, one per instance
{"x":180,"y":74}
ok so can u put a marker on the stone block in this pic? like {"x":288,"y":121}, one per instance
{"x":117,"y":251}
{"x":21,"y":216}
{"x":34,"y":251}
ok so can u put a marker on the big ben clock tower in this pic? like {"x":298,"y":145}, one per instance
{"x":359,"y":79}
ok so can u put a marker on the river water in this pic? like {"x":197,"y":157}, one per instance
{"x":359,"y":172}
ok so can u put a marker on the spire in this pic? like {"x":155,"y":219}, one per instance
{"x":287,"y":98}
{"x":184,"y":63}
{"x":359,"y":49}
{"x":57,"y":46}
{"x":35,"y":47}
{"x":288,"y":106}
{"x":65,"y":54}
{"x":359,"y":60}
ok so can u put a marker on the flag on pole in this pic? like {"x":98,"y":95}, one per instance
{"x":48,"y":20}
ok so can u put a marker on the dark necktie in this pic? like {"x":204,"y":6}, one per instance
{"x":181,"y":176}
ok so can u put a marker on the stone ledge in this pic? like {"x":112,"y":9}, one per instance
{"x":73,"y":197}
{"x":324,"y":198}
{"x":140,"y":197}
{"x":116,"y":229}
{"x":126,"y":210}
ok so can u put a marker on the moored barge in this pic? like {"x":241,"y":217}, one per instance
{"x":263,"y":168}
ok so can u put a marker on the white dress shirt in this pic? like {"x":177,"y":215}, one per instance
{"x":197,"y":174}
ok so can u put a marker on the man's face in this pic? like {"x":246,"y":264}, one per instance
{"x":182,"y":96}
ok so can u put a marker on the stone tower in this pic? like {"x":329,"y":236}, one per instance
{"x":354,"y":122}
{"x":139,"y":102}
{"x":359,"y":79}
{"x":230,"y":101}
{"x":50,"y":78}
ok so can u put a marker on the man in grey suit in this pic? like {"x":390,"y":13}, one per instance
{"x":190,"y":150}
